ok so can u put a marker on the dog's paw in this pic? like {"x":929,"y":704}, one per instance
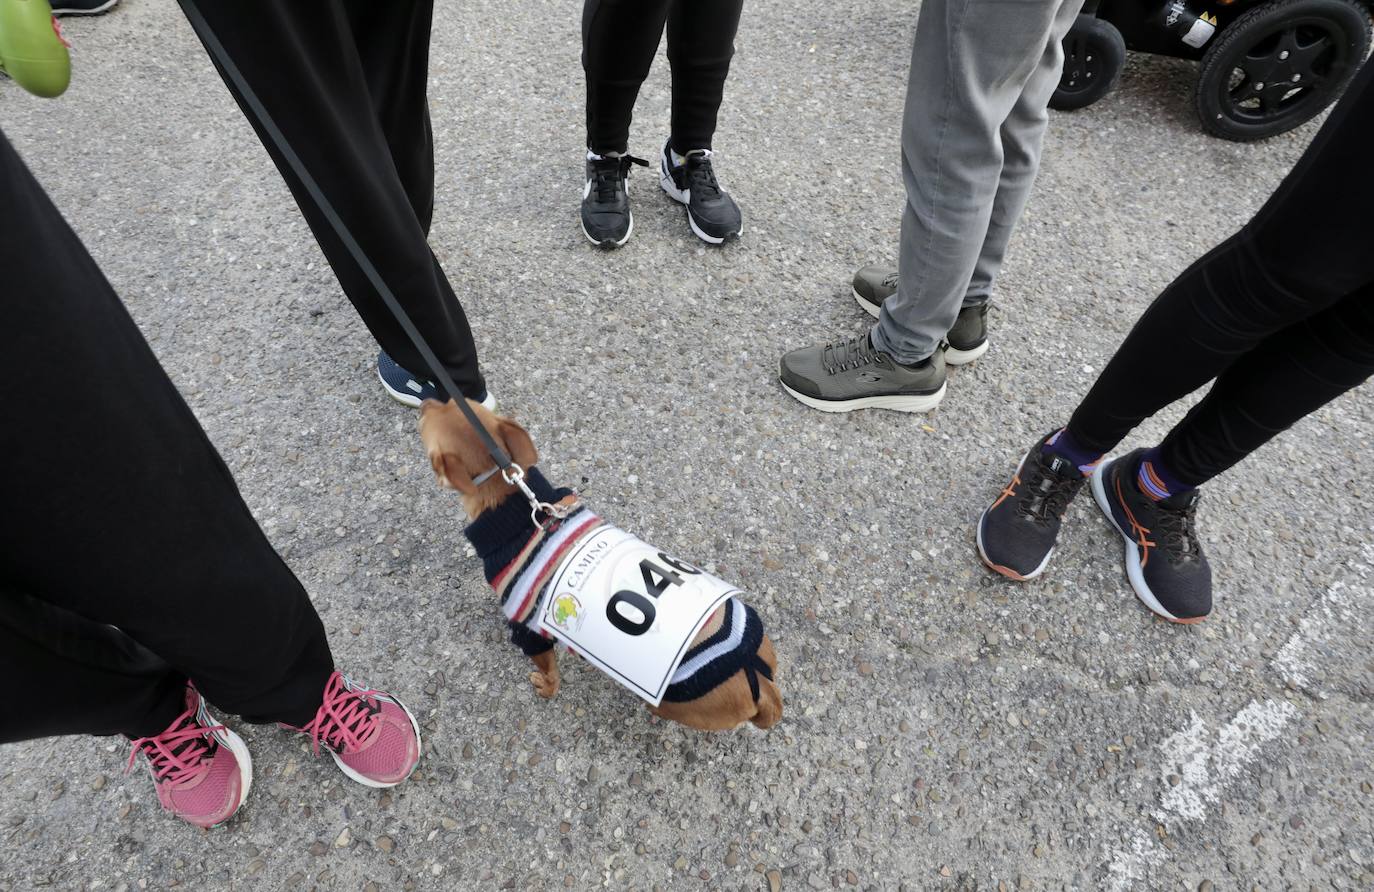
{"x":544,"y":685}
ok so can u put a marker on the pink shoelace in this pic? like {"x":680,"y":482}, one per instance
{"x":178,"y":754}
{"x":345,"y":717}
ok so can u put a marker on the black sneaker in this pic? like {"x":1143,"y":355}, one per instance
{"x":606,"y":217}
{"x":1164,"y":559}
{"x":711,"y":212}
{"x":1016,"y":535}
{"x":410,"y":389}
{"x":967,"y":340}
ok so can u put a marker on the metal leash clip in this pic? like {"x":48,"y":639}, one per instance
{"x":515,"y":476}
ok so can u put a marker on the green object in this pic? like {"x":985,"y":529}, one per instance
{"x":32,"y":51}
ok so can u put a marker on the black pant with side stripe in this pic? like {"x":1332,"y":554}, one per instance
{"x":1281,"y":314}
{"x":128,"y":561}
{"x":344,"y":81}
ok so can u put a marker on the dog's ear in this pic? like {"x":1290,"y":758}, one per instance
{"x":770,"y":698}
{"x":449,"y":471}
{"x":518,"y":443}
{"x":442,"y":442}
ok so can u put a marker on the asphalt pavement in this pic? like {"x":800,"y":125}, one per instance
{"x":944,"y":728}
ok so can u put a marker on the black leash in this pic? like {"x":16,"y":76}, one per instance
{"x":510,"y":471}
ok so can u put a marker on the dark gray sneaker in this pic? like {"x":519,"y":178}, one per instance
{"x":873,"y":285}
{"x":1016,"y":535}
{"x":1163,"y":556}
{"x":849,"y":375}
{"x":967,"y":340}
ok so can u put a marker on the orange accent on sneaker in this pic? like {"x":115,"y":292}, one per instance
{"x":1141,"y":532}
{"x":1009,"y":491}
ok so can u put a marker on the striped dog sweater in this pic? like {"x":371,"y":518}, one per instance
{"x":519,"y":559}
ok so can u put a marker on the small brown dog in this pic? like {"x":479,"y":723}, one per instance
{"x":731,"y":661}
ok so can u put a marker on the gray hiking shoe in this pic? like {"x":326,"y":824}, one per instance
{"x":873,"y":285}
{"x":967,"y":340}
{"x":849,"y":375}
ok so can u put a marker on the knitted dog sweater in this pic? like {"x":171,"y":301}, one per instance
{"x":519,"y":559}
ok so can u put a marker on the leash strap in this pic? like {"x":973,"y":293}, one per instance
{"x":510,"y":471}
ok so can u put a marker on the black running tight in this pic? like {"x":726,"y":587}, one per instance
{"x":1281,"y":314}
{"x":619,"y":40}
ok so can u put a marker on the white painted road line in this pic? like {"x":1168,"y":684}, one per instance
{"x":1206,"y":762}
{"x":1338,"y":608}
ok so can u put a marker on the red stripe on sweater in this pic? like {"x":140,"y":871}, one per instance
{"x":542,"y":579}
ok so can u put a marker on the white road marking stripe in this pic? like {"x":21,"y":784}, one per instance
{"x":1207,"y":764}
{"x":1338,"y":608}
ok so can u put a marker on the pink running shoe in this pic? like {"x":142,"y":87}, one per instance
{"x":201,"y":769}
{"x":373,"y":738}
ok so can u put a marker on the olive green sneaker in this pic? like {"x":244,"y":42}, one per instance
{"x":967,"y":340}
{"x":849,"y":375}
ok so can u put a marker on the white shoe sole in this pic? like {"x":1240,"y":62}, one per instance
{"x":407,"y":399}
{"x":895,"y":402}
{"x":998,"y":568}
{"x":378,"y":785}
{"x":244,"y":758}
{"x":684,"y":197}
{"x":1134,"y":572}
{"x":95,"y":11}
{"x":952,"y":355}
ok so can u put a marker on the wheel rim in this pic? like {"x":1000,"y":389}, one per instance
{"x":1083,"y":64}
{"x":1289,"y":71}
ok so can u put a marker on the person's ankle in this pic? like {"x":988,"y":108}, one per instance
{"x":1065,"y":445}
{"x":917,"y":364}
{"x":1155,"y":479}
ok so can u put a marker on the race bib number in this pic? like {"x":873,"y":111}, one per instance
{"x":630,"y":608}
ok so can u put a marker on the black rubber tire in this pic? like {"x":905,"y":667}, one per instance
{"x":1226,"y":103}
{"x":1094,"y":54}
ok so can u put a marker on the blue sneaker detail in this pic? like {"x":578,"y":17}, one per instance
{"x":410,"y":389}
{"x":404,"y":387}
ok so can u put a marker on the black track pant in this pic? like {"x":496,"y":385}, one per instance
{"x":619,"y":40}
{"x":117,"y":511}
{"x":1281,"y":314}
{"x":344,"y":81}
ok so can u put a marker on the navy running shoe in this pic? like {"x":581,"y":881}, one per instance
{"x":410,"y":389}
{"x":1164,"y":559}
{"x":1016,"y":535}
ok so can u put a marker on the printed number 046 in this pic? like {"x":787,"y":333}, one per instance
{"x":656,"y":581}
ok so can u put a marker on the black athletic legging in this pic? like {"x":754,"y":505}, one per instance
{"x":1281,"y":314}
{"x":619,"y":39}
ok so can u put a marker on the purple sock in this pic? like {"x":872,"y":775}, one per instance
{"x":1065,"y":445}
{"x":1154,"y":478}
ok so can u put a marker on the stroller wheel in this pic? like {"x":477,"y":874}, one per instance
{"x":1094,"y":53}
{"x":1279,"y":65}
